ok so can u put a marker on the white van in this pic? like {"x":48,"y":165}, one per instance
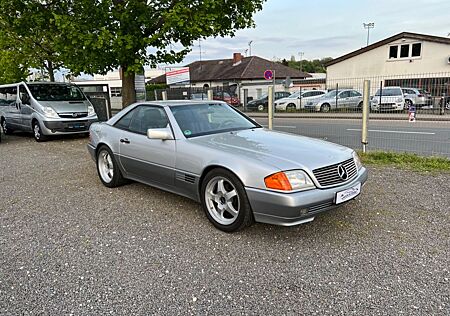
{"x":45,"y":108}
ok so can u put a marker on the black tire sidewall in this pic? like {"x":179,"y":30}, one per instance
{"x":8,"y":131}
{"x":245,"y":216}
{"x":42,"y":137}
{"x":117,"y":179}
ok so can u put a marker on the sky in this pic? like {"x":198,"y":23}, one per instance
{"x":326,"y":28}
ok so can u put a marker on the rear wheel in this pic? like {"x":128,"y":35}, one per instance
{"x":359,"y":107}
{"x":108,"y":169}
{"x":37,"y":132}
{"x":225,"y":202}
{"x":325,"y":108}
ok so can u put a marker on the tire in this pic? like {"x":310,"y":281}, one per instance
{"x":291,"y":107}
{"x":260,"y":108}
{"x":359,"y":107}
{"x":37,"y":132}
{"x":325,"y":108}
{"x":408,"y":104}
{"x":6,"y":130}
{"x":229,"y":214}
{"x":108,"y":169}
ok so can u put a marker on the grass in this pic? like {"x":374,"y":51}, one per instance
{"x":406,"y":161}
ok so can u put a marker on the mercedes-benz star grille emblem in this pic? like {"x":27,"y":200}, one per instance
{"x":74,"y":114}
{"x":342,"y":172}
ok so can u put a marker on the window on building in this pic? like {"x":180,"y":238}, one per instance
{"x":116,"y":91}
{"x":393,"y":52}
{"x":416,"y":50}
{"x":404,"y":51}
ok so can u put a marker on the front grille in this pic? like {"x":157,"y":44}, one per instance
{"x":329,"y":176}
{"x":73,"y":115}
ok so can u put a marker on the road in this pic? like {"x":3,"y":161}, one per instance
{"x":426,"y":138}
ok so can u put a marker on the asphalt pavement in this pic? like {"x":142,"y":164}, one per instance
{"x":70,"y":246}
{"x":421,"y":137}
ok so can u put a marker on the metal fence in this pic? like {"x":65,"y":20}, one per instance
{"x":407,"y":113}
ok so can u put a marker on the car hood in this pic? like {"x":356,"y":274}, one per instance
{"x":67,"y":106}
{"x":280,"y":150}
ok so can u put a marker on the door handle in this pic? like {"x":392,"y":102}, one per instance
{"x":124,"y":140}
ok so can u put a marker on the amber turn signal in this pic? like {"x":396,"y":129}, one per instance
{"x":278,"y":181}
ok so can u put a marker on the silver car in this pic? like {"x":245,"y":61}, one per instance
{"x":337,"y":99}
{"x":45,"y":109}
{"x":417,"y":97}
{"x":212,"y":153}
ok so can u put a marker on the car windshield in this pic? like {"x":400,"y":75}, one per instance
{"x":56,"y":92}
{"x":389,"y":92}
{"x":204,"y":119}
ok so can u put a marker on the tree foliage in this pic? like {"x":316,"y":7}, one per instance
{"x":310,"y":66}
{"x":100,"y":36}
{"x":28,"y":31}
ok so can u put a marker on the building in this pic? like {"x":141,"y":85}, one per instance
{"x":239,"y":75}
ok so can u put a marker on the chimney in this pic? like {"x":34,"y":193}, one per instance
{"x":237,"y":58}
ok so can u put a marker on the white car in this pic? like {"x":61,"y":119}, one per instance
{"x":388,"y":99}
{"x":297,"y":101}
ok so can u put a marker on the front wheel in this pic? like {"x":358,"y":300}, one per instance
{"x":325,"y":108}
{"x":225,"y":202}
{"x":37,"y":132}
{"x":107,"y":168}
{"x":291,"y":107}
{"x":260,"y":107}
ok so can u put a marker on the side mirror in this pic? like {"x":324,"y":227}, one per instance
{"x":160,"y":133}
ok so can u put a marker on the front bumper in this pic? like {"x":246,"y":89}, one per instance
{"x":58,"y":127}
{"x":289,"y":209}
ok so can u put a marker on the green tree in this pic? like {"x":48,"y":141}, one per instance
{"x":99,"y":36}
{"x":310,"y":66}
{"x":12,"y":69}
{"x":28,"y":32}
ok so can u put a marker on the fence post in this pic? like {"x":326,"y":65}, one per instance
{"x":164,"y":95}
{"x":245,"y":99}
{"x":365,"y":114}
{"x":156,"y":94}
{"x":270,"y":106}
{"x":210,"y":95}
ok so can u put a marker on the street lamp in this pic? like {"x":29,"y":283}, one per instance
{"x":368,"y":26}
{"x":250,"y":48}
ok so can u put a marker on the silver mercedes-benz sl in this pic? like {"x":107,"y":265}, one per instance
{"x":212,"y":153}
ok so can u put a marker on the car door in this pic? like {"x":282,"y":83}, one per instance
{"x":355,"y":99}
{"x":343,"y":99}
{"x":25,"y":107}
{"x":148,"y":160}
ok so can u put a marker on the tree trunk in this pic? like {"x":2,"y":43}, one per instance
{"x":50,"y":71}
{"x":128,"y":88}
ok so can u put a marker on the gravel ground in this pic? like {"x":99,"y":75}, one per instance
{"x":69,"y":245}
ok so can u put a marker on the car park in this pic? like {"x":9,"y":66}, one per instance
{"x":216,"y":155}
{"x":261,"y":104}
{"x":45,"y":109}
{"x":388,"y":99}
{"x":417,"y":97}
{"x":336,"y":99}
{"x":297,"y":100}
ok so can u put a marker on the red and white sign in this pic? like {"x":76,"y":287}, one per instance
{"x":177,"y":75}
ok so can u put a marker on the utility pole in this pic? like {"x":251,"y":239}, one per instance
{"x":368,"y":26}
{"x":250,"y":48}
{"x":301,"y":54}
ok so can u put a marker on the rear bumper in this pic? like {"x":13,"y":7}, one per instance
{"x":289,"y":209}
{"x":60,"y":127}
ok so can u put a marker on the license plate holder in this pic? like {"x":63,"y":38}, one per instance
{"x":348,"y":194}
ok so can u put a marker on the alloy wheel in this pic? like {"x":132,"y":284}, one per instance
{"x":105,"y":166}
{"x":222,"y":200}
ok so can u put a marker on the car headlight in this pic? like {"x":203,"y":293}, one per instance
{"x":49,"y":112}
{"x":91,"y":110}
{"x":375,"y":101}
{"x":399,"y":100}
{"x":357,"y":160}
{"x":293,"y":180}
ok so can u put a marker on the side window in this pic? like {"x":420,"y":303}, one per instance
{"x":23,"y":94}
{"x":124,"y":122}
{"x":344,"y":94}
{"x":404,"y":51}
{"x":8,"y":96}
{"x":307,"y":94}
{"x":3,"y":101}
{"x":148,"y":117}
{"x":355,"y":94}
{"x":393,"y":52}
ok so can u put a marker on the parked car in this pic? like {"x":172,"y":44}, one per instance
{"x":389,"y":98}
{"x":199,"y":96}
{"x":214,"y":154}
{"x":226,"y":97}
{"x":297,"y":100}
{"x":45,"y":109}
{"x":446,"y":101}
{"x":337,"y":99}
{"x":417,"y":97}
{"x":262,"y":103}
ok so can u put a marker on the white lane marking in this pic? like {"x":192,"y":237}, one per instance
{"x":282,"y":126}
{"x":384,"y":131}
